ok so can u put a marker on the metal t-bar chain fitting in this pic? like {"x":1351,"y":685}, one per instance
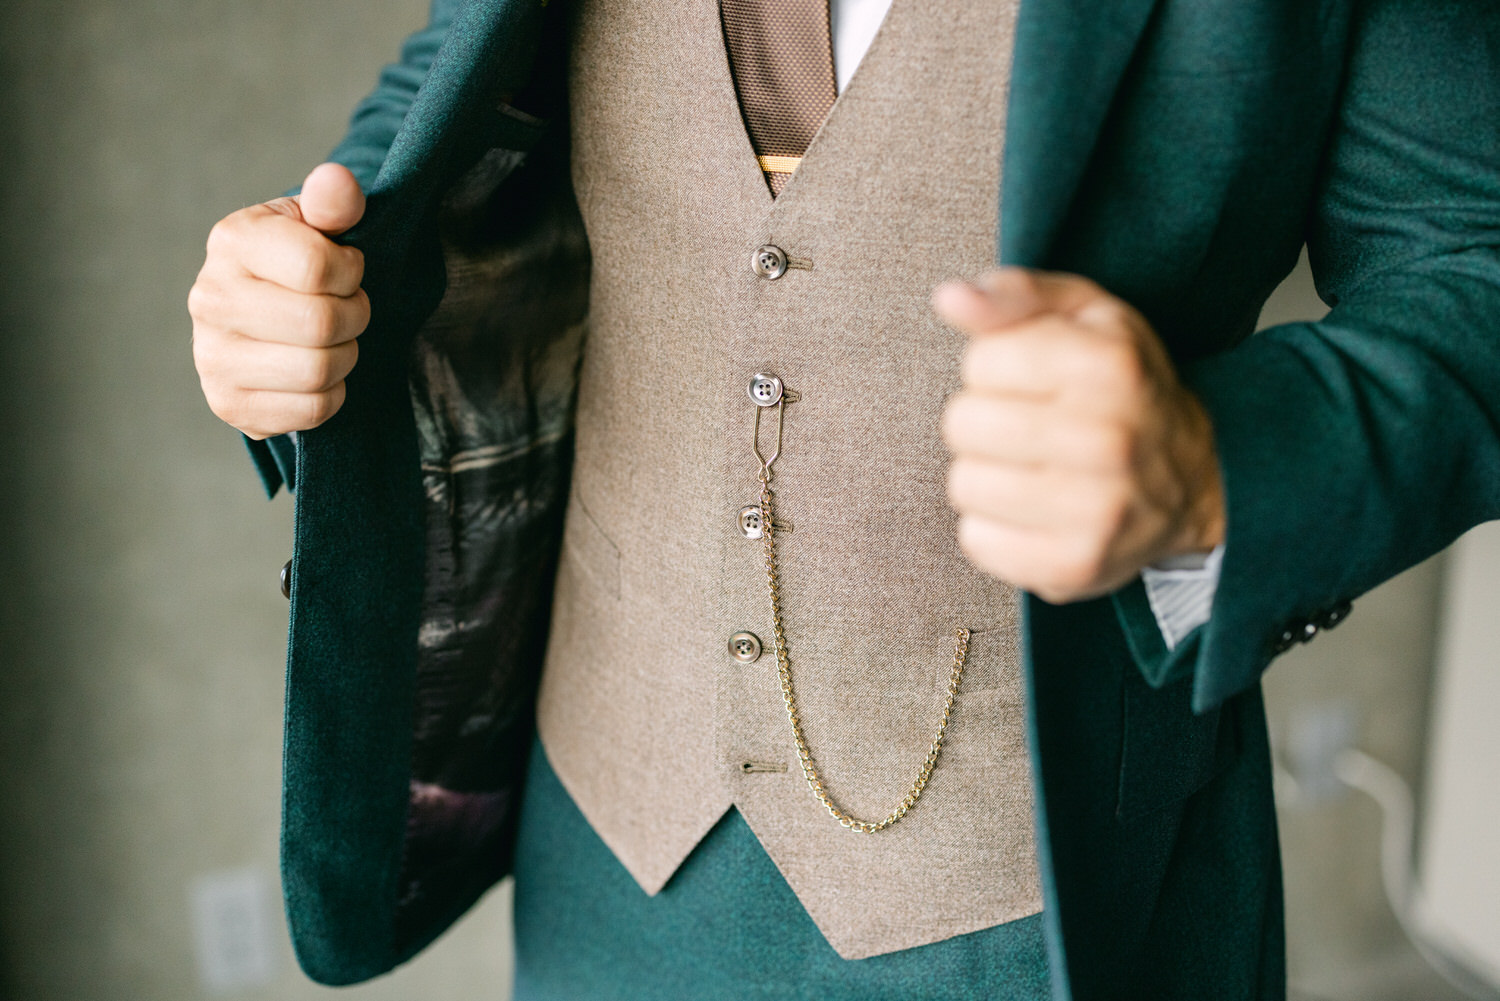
{"x":784,"y":666}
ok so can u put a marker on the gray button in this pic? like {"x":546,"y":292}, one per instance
{"x":286,"y":579}
{"x":769,"y":262}
{"x":751,"y":526}
{"x":765,"y":389}
{"x":745,"y":647}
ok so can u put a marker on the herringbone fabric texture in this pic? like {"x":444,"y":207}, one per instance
{"x":781,"y":56}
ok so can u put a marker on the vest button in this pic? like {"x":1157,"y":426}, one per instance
{"x":765,"y":389}
{"x":750,"y":522}
{"x":769,"y":262}
{"x":745,"y":647}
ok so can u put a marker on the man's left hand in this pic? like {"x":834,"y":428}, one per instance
{"x":1078,"y":456}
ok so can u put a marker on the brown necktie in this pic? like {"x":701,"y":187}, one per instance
{"x":781,"y":55}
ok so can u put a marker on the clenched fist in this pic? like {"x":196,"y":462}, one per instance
{"x":1078,"y":456}
{"x":278,"y":305}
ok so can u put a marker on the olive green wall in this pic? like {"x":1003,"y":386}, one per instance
{"x":141,"y":628}
{"x":141,"y":663}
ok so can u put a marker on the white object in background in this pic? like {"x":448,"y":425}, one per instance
{"x":233,"y":926}
{"x":1459,"y":862}
{"x":1317,"y":733}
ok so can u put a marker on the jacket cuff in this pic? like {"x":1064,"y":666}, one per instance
{"x":1159,"y":664}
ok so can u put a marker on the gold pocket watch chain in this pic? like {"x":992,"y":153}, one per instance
{"x":783,"y":660}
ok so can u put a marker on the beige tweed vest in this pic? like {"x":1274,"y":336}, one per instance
{"x":646,"y":717}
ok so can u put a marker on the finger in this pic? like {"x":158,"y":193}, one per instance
{"x":331,"y":200}
{"x":1015,"y":554}
{"x":1065,"y":502}
{"x":1053,"y":567}
{"x":265,"y":311}
{"x":1052,"y":357}
{"x":1001,"y":298}
{"x":268,"y":244}
{"x":262,"y":413}
{"x":973,"y":310}
{"x":244,"y":364}
{"x":1049,"y":291}
{"x":1032,"y":358}
{"x":1021,"y":431}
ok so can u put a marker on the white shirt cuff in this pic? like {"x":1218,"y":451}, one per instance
{"x":1181,"y":592}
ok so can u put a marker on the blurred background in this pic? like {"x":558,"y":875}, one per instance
{"x":141,"y":625}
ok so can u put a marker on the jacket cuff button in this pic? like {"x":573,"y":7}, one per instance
{"x":286,"y":579}
{"x":1287,"y":638}
{"x":1333,"y":616}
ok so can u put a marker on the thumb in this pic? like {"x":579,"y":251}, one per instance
{"x":1005,"y":297}
{"x":331,"y":199}
{"x":997,"y":300}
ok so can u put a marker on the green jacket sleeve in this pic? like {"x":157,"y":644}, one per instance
{"x":372,"y":129}
{"x":1354,"y":447}
{"x":377,"y":119}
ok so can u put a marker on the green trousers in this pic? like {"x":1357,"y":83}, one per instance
{"x":725,"y":928}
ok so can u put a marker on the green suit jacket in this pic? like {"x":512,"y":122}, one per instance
{"x":1179,"y":152}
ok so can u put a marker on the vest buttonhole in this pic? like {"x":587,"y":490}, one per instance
{"x":755,"y":767}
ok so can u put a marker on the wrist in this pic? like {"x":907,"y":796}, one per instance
{"x":1204,"y":522}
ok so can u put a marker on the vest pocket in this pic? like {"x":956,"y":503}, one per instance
{"x":1168,"y":752}
{"x":589,"y":548}
{"x":993,"y":662}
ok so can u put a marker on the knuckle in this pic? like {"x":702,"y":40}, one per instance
{"x":203,"y":355}
{"x":285,"y":205}
{"x":1093,"y":290}
{"x":319,"y":321}
{"x":356,"y":259}
{"x":208,"y":354}
{"x":977,"y":544}
{"x":361,"y":302}
{"x":316,"y":371}
{"x":960,"y":485}
{"x":309,"y":268}
{"x":319,"y":407}
{"x":227,"y":405}
{"x":968,"y":535}
{"x":955,"y":421}
{"x":1109,"y":316}
{"x":202,"y":300}
{"x":1023,"y":281}
{"x":222,"y":236}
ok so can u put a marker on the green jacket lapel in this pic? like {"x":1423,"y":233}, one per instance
{"x":1069,"y":57}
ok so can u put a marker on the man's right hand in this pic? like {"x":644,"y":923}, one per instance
{"x":278,"y":306}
